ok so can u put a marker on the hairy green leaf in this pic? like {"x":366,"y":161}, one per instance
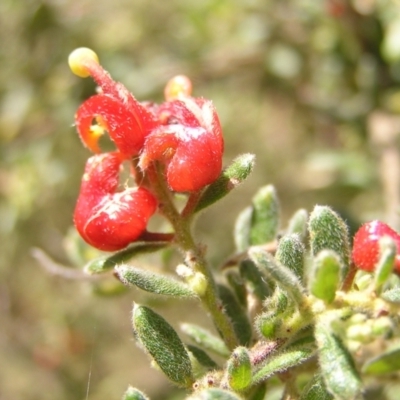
{"x":325,"y":275}
{"x":230,"y":178}
{"x":206,"y":339}
{"x":105,"y":263}
{"x":161,"y":341}
{"x":151,"y":282}
{"x":337,"y":366}
{"x":265,"y":217}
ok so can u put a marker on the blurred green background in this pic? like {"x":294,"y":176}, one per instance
{"x":311,"y":87}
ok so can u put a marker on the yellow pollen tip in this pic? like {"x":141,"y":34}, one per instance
{"x":78,"y":60}
{"x":178,"y":86}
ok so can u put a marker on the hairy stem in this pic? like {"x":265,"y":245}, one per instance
{"x":194,"y":257}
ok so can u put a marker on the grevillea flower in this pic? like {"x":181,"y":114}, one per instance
{"x":115,"y":109}
{"x":190,"y":143}
{"x":366,"y":245}
{"x":107,"y":219}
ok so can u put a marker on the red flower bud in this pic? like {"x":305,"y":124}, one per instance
{"x":116,"y":110}
{"x":191,"y":145}
{"x":107,"y":219}
{"x":366,"y":245}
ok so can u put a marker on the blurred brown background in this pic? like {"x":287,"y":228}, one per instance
{"x":311,"y":87}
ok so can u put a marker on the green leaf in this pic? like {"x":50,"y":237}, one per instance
{"x":316,"y":390}
{"x":230,"y":178}
{"x":385,"y":363}
{"x":290,"y":253}
{"x":265,"y":216}
{"x":242,"y":229}
{"x":298,"y":224}
{"x":105,"y":263}
{"x":205,"y":339}
{"x":236,"y":282}
{"x":214,"y":394}
{"x":337,"y":366}
{"x":283,"y":361}
{"x":161,"y":341}
{"x":329,"y":232}
{"x":325,"y":275}
{"x":154,"y":283}
{"x":255,"y":281}
{"x":239,"y":369}
{"x":259,"y":392}
{"x":282,"y":275}
{"x":267,"y":324}
{"x":134,"y":394}
{"x":385,"y":265}
{"x":237,"y":314}
{"x":202,"y":357}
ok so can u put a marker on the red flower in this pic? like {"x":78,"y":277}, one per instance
{"x":115,"y":109}
{"x":107,"y":219}
{"x":190,"y":144}
{"x":366,"y":245}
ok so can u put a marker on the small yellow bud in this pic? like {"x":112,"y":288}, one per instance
{"x":177,"y":87}
{"x":78,"y":58}
{"x":198,"y":283}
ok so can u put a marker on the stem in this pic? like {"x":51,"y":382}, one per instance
{"x":194,"y":257}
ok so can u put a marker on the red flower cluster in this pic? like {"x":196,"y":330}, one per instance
{"x":182,"y":135}
{"x":366,"y":245}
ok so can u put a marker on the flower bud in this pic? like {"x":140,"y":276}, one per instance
{"x":107,"y":219}
{"x":366,"y":248}
{"x":177,"y":87}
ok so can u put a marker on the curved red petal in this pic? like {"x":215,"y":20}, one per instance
{"x":106,"y":219}
{"x":119,"y":219}
{"x":126,"y":129}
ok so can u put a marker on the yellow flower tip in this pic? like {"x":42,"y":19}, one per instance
{"x":78,"y":60}
{"x":178,"y":86}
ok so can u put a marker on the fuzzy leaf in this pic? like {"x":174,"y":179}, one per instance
{"x":237,"y":314}
{"x":242,"y":229}
{"x":134,"y":394}
{"x":154,"y":283}
{"x":254,"y":279}
{"x":337,"y":366}
{"x":230,"y":178}
{"x":267,"y":324}
{"x":265,"y":217}
{"x":298,"y":224}
{"x":316,"y":390}
{"x":239,"y":369}
{"x":284,"y":277}
{"x":161,"y":341}
{"x":325,"y":275}
{"x":385,"y":265}
{"x":290,"y":253}
{"x":283,"y":361}
{"x":385,"y":363}
{"x":214,"y":394}
{"x":392,"y":295}
{"x":105,"y":263}
{"x":259,"y":393}
{"x":206,"y":339}
{"x":236,"y":282}
{"x":202,"y":357}
{"x":328,"y":231}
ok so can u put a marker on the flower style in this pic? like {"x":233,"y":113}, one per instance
{"x":115,"y":109}
{"x":107,"y":219}
{"x":366,"y":245}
